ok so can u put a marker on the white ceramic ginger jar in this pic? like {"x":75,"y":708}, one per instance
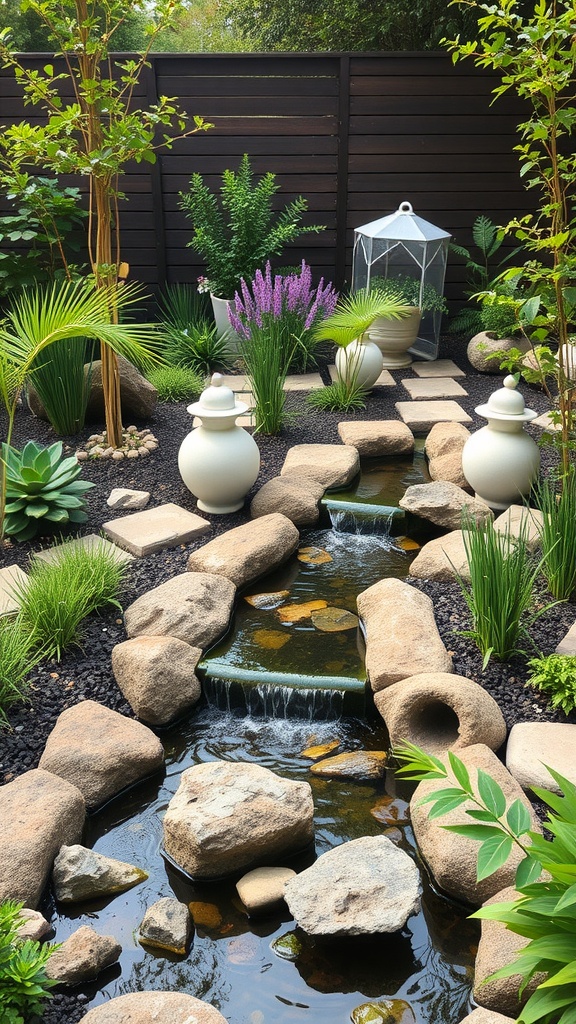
{"x":361,"y":362}
{"x":218,"y":460}
{"x":501,"y":461}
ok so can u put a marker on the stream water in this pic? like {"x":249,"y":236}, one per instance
{"x":266,"y":971}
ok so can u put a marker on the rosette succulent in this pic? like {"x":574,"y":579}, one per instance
{"x":41,"y":488}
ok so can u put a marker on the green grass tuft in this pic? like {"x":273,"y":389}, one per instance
{"x":177,"y":383}
{"x":19,"y":654}
{"x":341,"y":396}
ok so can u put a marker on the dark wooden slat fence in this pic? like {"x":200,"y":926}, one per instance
{"x":354,"y":133}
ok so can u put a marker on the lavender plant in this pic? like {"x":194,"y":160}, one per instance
{"x":286,"y":307}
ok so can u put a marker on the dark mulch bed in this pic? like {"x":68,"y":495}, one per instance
{"x":86,"y":674}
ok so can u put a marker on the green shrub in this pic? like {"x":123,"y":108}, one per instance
{"x":558,"y":534}
{"x":23,"y":981}
{"x":190,"y":335}
{"x":42,"y":489}
{"x":343,"y":395}
{"x":177,"y":383}
{"x":545,"y":911}
{"x":556,"y":676}
{"x":59,"y":595}
{"x":266,"y":363}
{"x":19,"y":654}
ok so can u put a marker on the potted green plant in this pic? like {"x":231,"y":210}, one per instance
{"x":395,"y":338}
{"x":237,"y":231}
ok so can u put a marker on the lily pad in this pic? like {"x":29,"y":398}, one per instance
{"x":287,"y":946}
{"x":385,"y":1011}
{"x":267,"y":602}
{"x":313,"y":556}
{"x":296,"y":612}
{"x":407,"y":544}
{"x":334,"y":620}
{"x":271,"y":639}
{"x":321,"y":750}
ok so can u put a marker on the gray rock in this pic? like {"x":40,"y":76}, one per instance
{"x":249,"y":551}
{"x":167,"y":925}
{"x":194,"y":607}
{"x":30,"y":837}
{"x":154,"y":1008}
{"x":517,"y":520}
{"x":82,"y":957}
{"x":137,"y":395}
{"x":482,"y":349}
{"x":532,"y":746}
{"x":81,"y":874}
{"x":332,"y":465}
{"x":297,"y":498}
{"x":227,"y":816}
{"x":402,"y":638}
{"x":364,"y":887}
{"x":377,"y":437}
{"x":33,"y":925}
{"x":497,"y":948}
{"x":443,"y":503}
{"x":445,"y":439}
{"x":157,"y":676}
{"x":262,"y":889}
{"x":123,"y":497}
{"x":452,"y":858}
{"x":442,"y":559}
{"x":100,"y":751}
{"x":439,"y":711}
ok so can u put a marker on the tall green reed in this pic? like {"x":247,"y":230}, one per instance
{"x":558,"y":534}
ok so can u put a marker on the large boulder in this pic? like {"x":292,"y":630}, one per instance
{"x":154,"y":1008}
{"x":442,"y":559}
{"x":484,"y":350}
{"x":402,"y":638}
{"x":443,"y":449}
{"x":332,"y":465}
{"x":81,"y":874}
{"x":227,"y":816}
{"x":439,"y":711}
{"x":157,"y":676}
{"x":364,"y":887}
{"x":38,"y":813}
{"x":100,"y":752}
{"x":483,"y":1016}
{"x":452,"y":858}
{"x":296,"y":497}
{"x":138,"y":396}
{"x":443,"y":503}
{"x":497,"y":948}
{"x":194,"y":607}
{"x":377,"y":437}
{"x":249,"y":551}
{"x":534,"y":746}
{"x":82,"y":957}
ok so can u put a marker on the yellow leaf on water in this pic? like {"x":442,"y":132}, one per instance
{"x":407,"y":544}
{"x":296,"y":612}
{"x":271,"y":639}
{"x":313,"y":556}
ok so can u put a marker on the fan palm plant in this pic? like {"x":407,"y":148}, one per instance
{"x":355,"y":313}
{"x":68,"y":309}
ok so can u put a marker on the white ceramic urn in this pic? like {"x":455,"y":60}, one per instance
{"x":501,"y":461}
{"x":218,"y":460}
{"x":361,"y":362}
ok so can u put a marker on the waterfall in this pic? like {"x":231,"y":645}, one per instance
{"x":272,"y":701}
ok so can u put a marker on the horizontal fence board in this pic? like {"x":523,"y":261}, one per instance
{"x":250,"y":87}
{"x":432,"y":165}
{"x":416,"y":85}
{"x":441,"y":124}
{"x":305,"y":183}
{"x":466,"y":106}
{"x":316,"y":201}
{"x":441,"y":145}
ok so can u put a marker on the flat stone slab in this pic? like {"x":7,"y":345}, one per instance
{"x":533,"y":745}
{"x":10,"y":577}
{"x":545,"y":422}
{"x":424,"y":414}
{"x":518,"y":518}
{"x":385,"y":380}
{"x":433,"y":387}
{"x":303,"y":382}
{"x":90,"y":541}
{"x":437,"y":368}
{"x":377,"y":437}
{"x":568,"y":643}
{"x":124,"y":497}
{"x":332,"y":465}
{"x":154,"y":529}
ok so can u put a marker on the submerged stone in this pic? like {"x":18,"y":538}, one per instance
{"x":334,"y":620}
{"x":267,"y":602}
{"x":297,"y":612}
{"x":288,"y":946}
{"x":385,"y":1011}
{"x":271,"y":639}
{"x":321,"y":750}
{"x":313,"y":556}
{"x":355,"y":764}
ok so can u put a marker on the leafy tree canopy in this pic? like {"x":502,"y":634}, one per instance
{"x":29,"y":33}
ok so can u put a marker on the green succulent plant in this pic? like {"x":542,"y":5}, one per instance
{"x":41,"y":486}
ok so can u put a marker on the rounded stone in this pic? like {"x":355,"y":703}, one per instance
{"x":154,"y":1008}
{"x":483,"y":348}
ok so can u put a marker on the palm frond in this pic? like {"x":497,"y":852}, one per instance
{"x":355,"y":313}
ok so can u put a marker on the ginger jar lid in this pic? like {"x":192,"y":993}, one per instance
{"x":506,"y":404}
{"x":217,"y":400}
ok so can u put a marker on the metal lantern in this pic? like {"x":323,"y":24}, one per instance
{"x":403,"y":245}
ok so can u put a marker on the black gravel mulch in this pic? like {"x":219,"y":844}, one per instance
{"x":85,"y":673}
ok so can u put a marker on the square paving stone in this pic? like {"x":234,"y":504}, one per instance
{"x":545,"y":422}
{"x":437,"y":368}
{"x":303,"y":382}
{"x":385,"y":380}
{"x":568,"y":643}
{"x":433,"y":387}
{"x":90,"y":541}
{"x":10,"y":577}
{"x":423,"y":415}
{"x":154,"y":529}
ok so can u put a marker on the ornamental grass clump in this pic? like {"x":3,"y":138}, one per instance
{"x":19,"y":654}
{"x":557,"y":503}
{"x":189,"y":334}
{"x":177,"y":383}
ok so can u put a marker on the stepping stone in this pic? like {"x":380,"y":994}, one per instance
{"x":90,"y":541}
{"x":437,"y":368}
{"x":10,"y":577}
{"x":154,"y":529}
{"x":377,"y":437}
{"x":433,"y":387}
{"x":545,"y":422}
{"x":423,"y":415}
{"x":385,"y":380}
{"x":568,"y":644}
{"x":533,"y":745}
{"x":124,"y":498}
{"x":303,"y":382}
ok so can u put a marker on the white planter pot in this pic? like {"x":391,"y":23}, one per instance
{"x":360,"y":361}
{"x":223,"y":327}
{"x":501,"y":465}
{"x":395,"y":337}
